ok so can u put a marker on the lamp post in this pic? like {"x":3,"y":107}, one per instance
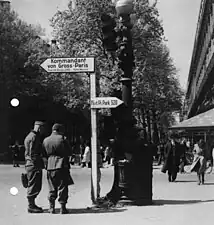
{"x":132,"y":179}
{"x":126,"y":58}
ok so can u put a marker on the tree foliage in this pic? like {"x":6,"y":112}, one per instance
{"x":16,"y":38}
{"x":156,"y":86}
{"x":78,"y":33}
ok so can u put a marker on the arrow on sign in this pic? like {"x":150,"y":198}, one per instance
{"x":69,"y":65}
{"x":105,"y":102}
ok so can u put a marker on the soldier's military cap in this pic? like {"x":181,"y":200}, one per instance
{"x":41,"y":123}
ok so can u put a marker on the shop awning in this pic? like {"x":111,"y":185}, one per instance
{"x":201,"y":121}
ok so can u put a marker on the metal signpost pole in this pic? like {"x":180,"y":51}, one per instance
{"x":93,"y":138}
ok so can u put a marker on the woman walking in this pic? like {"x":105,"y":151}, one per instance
{"x":86,"y":161}
{"x":199,"y":161}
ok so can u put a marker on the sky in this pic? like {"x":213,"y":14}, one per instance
{"x":179,"y":18}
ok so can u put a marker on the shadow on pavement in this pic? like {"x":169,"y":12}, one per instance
{"x":89,"y":210}
{"x":178,"y":202}
{"x":208,"y":184}
{"x":185,"y":181}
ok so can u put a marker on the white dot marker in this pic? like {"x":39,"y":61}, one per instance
{"x":14,"y":191}
{"x":14,"y":102}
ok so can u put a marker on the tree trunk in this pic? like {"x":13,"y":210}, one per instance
{"x":144,"y":123}
{"x":155,"y":136}
{"x":3,"y":118}
{"x":148,"y":125}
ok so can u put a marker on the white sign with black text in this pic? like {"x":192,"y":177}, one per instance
{"x":105,"y":102}
{"x":69,"y":65}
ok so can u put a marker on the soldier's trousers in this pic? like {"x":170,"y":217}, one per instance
{"x":58,"y":184}
{"x":34,"y":176}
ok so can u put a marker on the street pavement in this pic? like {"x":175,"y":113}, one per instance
{"x":182,"y":202}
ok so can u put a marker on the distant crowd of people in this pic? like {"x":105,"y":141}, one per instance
{"x":105,"y":154}
{"x":174,"y":156}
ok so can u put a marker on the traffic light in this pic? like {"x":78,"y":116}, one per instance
{"x":122,"y":56}
{"x":109,"y":34}
{"x":125,"y":56}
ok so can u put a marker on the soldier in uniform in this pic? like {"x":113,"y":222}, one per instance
{"x":34,"y":164}
{"x":58,"y":175}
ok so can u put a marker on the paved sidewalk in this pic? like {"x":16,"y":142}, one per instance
{"x":183,"y":202}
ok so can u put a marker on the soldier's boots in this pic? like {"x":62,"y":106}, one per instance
{"x":63,"y":209}
{"x":202,"y":178}
{"x":33,"y":208}
{"x":52,"y":207}
{"x":199,"y":179}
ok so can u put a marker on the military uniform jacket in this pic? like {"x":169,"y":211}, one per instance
{"x":58,"y":151}
{"x":34,"y":150}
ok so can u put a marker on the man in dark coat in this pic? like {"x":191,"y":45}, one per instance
{"x":34,"y":164}
{"x":15,"y":154}
{"x":172,"y":157}
{"x":183,"y":150}
{"x":58,"y":152}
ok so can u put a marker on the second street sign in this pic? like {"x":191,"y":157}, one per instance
{"x":69,"y":65}
{"x":105,"y":102}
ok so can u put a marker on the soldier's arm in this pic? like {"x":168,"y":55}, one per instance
{"x":31,"y":146}
{"x":44,"y":156}
{"x":27,"y":147}
{"x":44,"y":153}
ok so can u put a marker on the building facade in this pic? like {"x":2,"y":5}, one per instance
{"x":200,"y":85}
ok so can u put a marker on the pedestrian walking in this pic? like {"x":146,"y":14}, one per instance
{"x":86,"y":161}
{"x":160,"y":153}
{"x":58,"y":167}
{"x":172,"y":157}
{"x":199,"y":161}
{"x":107,"y":155}
{"x":15,"y":154}
{"x":212,"y":160}
{"x":34,"y":163}
{"x":183,"y":150}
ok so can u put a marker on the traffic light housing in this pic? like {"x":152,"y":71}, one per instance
{"x":125,"y":54}
{"x":109,"y":34}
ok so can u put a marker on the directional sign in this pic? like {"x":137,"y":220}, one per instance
{"x":105,"y":102}
{"x":69,"y":65}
